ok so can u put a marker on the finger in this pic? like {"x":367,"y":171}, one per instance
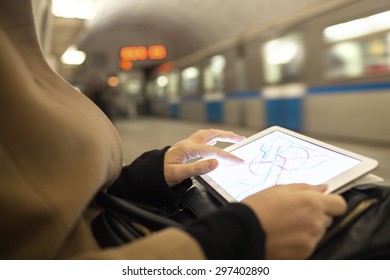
{"x":316,"y":188}
{"x":328,"y":220}
{"x":335,"y":205}
{"x":208,"y":152}
{"x":211,"y":136}
{"x":319,"y":188}
{"x":197,"y":168}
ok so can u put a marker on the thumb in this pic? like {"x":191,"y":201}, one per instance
{"x":198,"y":167}
{"x":302,"y":186}
{"x":176,"y":173}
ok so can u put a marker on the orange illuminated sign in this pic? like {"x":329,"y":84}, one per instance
{"x":154,"y":52}
{"x":125,"y":65}
{"x":157,"y":52}
{"x":134,"y":53}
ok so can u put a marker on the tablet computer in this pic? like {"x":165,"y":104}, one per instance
{"x":278,"y":156}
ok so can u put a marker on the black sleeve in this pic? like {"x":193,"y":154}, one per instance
{"x":231,"y":233}
{"x":143,"y":181}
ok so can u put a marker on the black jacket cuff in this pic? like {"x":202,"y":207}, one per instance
{"x":231,"y":233}
{"x":143,"y":181}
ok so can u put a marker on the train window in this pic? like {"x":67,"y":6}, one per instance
{"x":283,"y":59}
{"x":213,"y":75}
{"x":190,"y":81}
{"x":359,"y":47}
{"x":161,"y":86}
{"x":150,"y":85}
{"x":173,"y":86}
{"x":133,"y":87}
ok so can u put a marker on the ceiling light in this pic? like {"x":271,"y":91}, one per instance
{"x":113,"y":81}
{"x":83,"y":9}
{"x":73,"y":56}
{"x":358,"y":27}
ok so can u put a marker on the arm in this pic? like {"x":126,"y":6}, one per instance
{"x":231,"y":233}
{"x":148,"y":178}
{"x":143,"y":180}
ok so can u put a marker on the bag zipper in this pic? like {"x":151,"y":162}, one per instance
{"x":355,"y":212}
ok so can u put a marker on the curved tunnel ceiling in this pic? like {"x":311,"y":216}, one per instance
{"x":185,"y":26}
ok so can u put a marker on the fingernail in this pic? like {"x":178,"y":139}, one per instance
{"x":212,"y":164}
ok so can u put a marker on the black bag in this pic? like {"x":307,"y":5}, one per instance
{"x":123,"y":221}
{"x":363,"y":232}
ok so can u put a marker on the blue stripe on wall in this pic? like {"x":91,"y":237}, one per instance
{"x":348,"y":88}
{"x":174,"y":110}
{"x":214,"y":111}
{"x":284,"y":112}
{"x":242,"y":95}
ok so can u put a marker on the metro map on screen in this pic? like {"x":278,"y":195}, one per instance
{"x":276,"y":159}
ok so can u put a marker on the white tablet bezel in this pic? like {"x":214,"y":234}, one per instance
{"x":334,"y":185}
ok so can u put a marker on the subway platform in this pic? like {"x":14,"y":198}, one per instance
{"x":144,"y":134}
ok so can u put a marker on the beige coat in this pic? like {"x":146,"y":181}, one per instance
{"x":57,"y":149}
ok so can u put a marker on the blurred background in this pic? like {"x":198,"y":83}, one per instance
{"x":161,"y":68}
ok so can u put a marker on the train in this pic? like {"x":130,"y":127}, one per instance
{"x":327,"y":74}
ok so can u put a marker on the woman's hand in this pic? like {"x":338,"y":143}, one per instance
{"x":198,"y":145}
{"x":295,"y":218}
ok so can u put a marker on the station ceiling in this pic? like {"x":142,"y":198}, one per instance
{"x":183,"y":26}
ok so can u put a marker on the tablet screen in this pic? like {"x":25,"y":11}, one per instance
{"x":278,"y":158}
